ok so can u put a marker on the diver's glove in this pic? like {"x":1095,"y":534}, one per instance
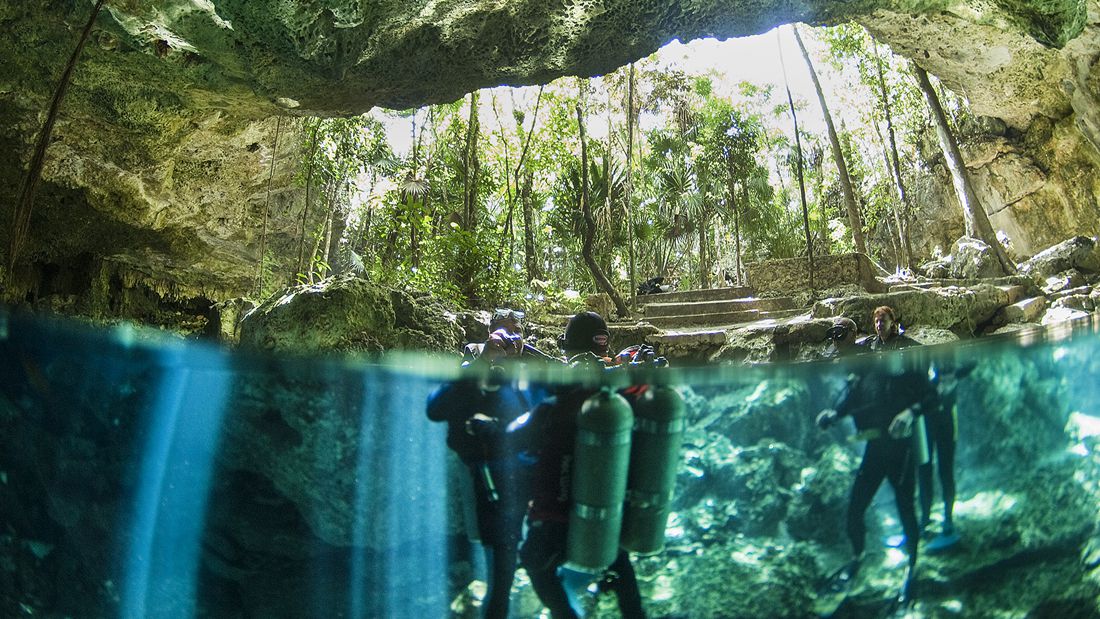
{"x":826,"y":418}
{"x":586,"y":360}
{"x":902,"y":424}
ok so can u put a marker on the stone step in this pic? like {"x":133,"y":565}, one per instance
{"x":685,"y":296}
{"x":720,"y":319}
{"x":688,"y":308}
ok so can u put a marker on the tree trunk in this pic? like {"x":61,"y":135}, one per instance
{"x":21,"y":214}
{"x":326,"y":247}
{"x":898,"y":241}
{"x":895,"y":165}
{"x":838,"y":153}
{"x":742,"y":272}
{"x":528,"y":233}
{"x":801,"y":177}
{"x":630,"y":184}
{"x":530,"y":257}
{"x":472,"y":166}
{"x":339,"y":226}
{"x":590,"y":230}
{"x":974,"y":216}
{"x":704,"y":280}
{"x":414,"y":235}
{"x":305,"y":210}
{"x":731,"y":188}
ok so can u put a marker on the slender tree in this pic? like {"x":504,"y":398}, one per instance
{"x":472,"y":166}
{"x":530,"y":259}
{"x":798,"y":168}
{"x":590,"y":228}
{"x":974,"y":216}
{"x":630,"y":184}
{"x":904,"y":210}
{"x":310,"y":160}
{"x":854,"y":219}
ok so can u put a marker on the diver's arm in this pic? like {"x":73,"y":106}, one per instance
{"x":452,"y":401}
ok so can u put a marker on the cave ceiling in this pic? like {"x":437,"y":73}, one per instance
{"x":167,"y":128}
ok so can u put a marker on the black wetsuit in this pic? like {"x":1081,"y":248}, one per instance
{"x":897,"y":342}
{"x":500,"y":476}
{"x":941,"y":424}
{"x":550,"y":435}
{"x":873,"y":401}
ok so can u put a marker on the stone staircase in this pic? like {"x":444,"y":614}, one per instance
{"x":713,"y":309}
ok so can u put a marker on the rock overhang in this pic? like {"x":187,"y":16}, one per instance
{"x":347,"y":56}
{"x":168,"y":127}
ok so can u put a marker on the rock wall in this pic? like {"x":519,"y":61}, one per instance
{"x":1036,"y":176}
{"x":777,"y":277}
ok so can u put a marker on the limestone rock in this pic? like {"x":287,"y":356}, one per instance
{"x":1079,"y":253}
{"x":931,"y":335}
{"x":771,"y":411}
{"x":229,"y":315}
{"x":1028,"y":310}
{"x":962,"y":310}
{"x":973,"y":259}
{"x":601,"y":304}
{"x":1061,"y":314}
{"x":691,"y":348}
{"x":349,"y":314}
{"x":1064,"y":282}
{"x":1079,"y":302}
{"x":741,"y":489}
{"x":821,"y":499}
{"x":1014,"y":327}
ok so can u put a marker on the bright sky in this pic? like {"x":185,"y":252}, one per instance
{"x":753,"y":59}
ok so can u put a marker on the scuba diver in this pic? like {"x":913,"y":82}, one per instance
{"x":842,"y":338}
{"x":889,"y":335}
{"x":941,"y":421}
{"x":550,"y":435}
{"x":884,"y":404}
{"x":477,"y":408}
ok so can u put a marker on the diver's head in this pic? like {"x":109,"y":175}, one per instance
{"x":508,"y":319}
{"x":842,"y":331}
{"x":586,"y":332}
{"x":886,"y":323}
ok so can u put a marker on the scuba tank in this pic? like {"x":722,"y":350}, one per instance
{"x":654,"y":459}
{"x":602,"y":455}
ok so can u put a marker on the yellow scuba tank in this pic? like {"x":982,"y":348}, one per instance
{"x":602,"y":456}
{"x":654,"y":460}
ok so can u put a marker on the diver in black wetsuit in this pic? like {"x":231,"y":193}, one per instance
{"x":941,"y":421}
{"x":842,"y":335}
{"x":884,"y":404}
{"x":477,"y":408}
{"x":550,"y":435}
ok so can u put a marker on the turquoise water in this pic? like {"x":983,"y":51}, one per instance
{"x":145,"y":476}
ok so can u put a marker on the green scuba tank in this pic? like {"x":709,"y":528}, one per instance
{"x":602,"y":456}
{"x":654,"y":460}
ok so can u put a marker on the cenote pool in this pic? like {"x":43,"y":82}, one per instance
{"x":146,"y":476}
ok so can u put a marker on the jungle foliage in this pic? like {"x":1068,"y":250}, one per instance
{"x":480,"y":202}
